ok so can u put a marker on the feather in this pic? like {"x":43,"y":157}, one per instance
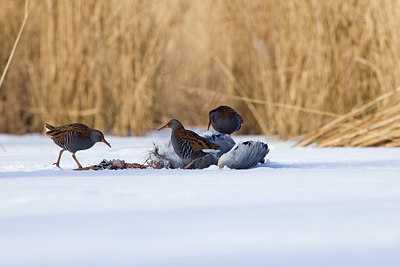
{"x":211,"y":151}
{"x":228,"y":112}
{"x":59,"y":133}
{"x":195,"y":141}
{"x":49,"y":127}
{"x":244,"y":155}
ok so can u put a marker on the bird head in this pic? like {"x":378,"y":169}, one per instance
{"x":212,"y":116}
{"x":173,"y":124}
{"x":98,"y":136}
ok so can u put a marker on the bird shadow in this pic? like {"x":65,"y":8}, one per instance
{"x":329,"y":164}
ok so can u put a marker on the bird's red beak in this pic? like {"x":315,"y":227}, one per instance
{"x":208,"y":128}
{"x":105,"y":142}
{"x":164,"y":127}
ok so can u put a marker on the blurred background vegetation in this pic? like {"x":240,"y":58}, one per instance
{"x":128,"y":66}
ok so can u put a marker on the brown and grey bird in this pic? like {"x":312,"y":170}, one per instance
{"x":74,"y":137}
{"x":225,"y":120}
{"x":188,"y":144}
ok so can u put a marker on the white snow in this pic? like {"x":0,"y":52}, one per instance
{"x":304,"y":207}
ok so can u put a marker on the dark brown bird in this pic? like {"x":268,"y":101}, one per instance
{"x":74,"y":137}
{"x":225,"y":120}
{"x":188,"y":144}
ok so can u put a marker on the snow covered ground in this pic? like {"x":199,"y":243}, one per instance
{"x":303,"y":207}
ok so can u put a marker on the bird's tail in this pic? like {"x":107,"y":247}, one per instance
{"x":212,"y":150}
{"x":49,"y":127}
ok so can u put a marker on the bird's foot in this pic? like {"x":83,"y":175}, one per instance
{"x":80,"y":168}
{"x":57,"y":164}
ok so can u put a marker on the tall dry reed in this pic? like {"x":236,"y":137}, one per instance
{"x":127,"y":66}
{"x":361,"y":127}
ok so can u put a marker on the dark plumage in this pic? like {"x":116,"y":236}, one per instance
{"x":74,"y":137}
{"x":225,"y":120}
{"x":188,"y":144}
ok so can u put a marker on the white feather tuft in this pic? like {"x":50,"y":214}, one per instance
{"x":211,"y":151}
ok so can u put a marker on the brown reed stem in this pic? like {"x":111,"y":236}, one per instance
{"x":240,"y":90}
{"x":26,"y":14}
{"x":324,"y":129}
{"x":262,"y":102}
{"x":288,"y":66}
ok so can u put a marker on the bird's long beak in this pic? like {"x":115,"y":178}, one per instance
{"x":164,"y":127}
{"x":208,"y":128}
{"x":105,"y":142}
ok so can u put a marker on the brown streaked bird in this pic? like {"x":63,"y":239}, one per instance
{"x":188,"y":144}
{"x":74,"y":137}
{"x":225,"y":120}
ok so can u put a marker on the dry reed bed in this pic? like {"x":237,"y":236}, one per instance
{"x":126,"y":66}
{"x":376,"y":123}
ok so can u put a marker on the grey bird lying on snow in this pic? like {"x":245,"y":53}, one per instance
{"x":244,"y":155}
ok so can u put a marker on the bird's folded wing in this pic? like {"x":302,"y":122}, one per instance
{"x":197,"y":143}
{"x":60,"y":132}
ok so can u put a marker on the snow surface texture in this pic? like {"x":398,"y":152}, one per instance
{"x":303,"y":207}
{"x":243,"y":155}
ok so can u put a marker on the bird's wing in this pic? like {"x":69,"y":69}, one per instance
{"x":60,"y":132}
{"x":80,"y":129}
{"x":196,"y":142}
{"x":228,"y":112}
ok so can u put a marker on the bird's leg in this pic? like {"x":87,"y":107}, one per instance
{"x":59,"y":157}
{"x":80,"y":166}
{"x":187,"y":166}
{"x":199,"y":167}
